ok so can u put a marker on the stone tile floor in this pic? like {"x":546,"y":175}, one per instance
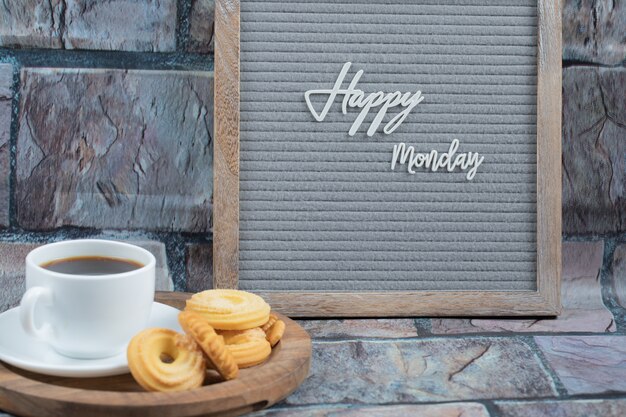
{"x":573,"y":366}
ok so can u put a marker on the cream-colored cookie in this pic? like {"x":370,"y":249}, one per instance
{"x":275,"y":332}
{"x":210,"y":342}
{"x":230,"y":309}
{"x":163,"y":360}
{"x":270,"y":322}
{"x":250,"y":351}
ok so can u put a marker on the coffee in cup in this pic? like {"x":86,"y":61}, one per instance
{"x":87,"y":298}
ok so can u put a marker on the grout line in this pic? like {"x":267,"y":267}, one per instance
{"x":522,"y":337}
{"x":15,"y":234}
{"x":609,"y":297}
{"x":108,"y":59}
{"x":13,"y":133}
{"x":558,"y":384}
{"x":569,"y":63}
{"x":175,"y":249}
{"x":577,"y":238}
{"x":489,"y":403}
{"x":183,"y":24}
{"x":592,"y":237}
{"x":424,"y":326}
{"x":517,"y":336}
{"x":430,"y":337}
{"x":492,"y":409}
{"x":567,"y":399}
{"x":356,"y":406}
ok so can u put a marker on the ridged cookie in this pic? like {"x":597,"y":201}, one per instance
{"x":275,"y":332}
{"x":210,"y":342}
{"x":270,"y":322}
{"x":230,"y":309}
{"x":163,"y":360}
{"x":232,"y":337}
{"x":250,"y":351}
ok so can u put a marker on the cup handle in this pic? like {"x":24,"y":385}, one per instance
{"x":29,"y":303}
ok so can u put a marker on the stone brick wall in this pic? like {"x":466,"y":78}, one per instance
{"x":106,"y":120}
{"x":106,"y":129}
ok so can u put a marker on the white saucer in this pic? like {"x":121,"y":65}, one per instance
{"x":20,"y":350}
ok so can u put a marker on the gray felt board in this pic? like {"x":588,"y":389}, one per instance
{"x":323,"y":211}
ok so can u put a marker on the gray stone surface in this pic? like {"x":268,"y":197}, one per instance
{"x":581,"y":296}
{"x":115,"y":149}
{"x":201,"y":26}
{"x":199,"y":262}
{"x":587,"y":364}
{"x":437,"y":370}
{"x":374,"y":328}
{"x":593,"y":31}
{"x":594,"y":167}
{"x":418,"y":410}
{"x":618,"y":272}
{"x":13,"y":255}
{"x":31,"y":23}
{"x":163,"y":279}
{"x":568,"y":408}
{"x":126,"y":25}
{"x":6,"y":99}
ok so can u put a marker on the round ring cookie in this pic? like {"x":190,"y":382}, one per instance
{"x":248,"y":347}
{"x":163,"y":360}
{"x":230,"y":309}
{"x":249,"y":350}
{"x":210,"y":342}
{"x":232,"y":337}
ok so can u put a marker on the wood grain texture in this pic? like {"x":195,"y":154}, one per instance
{"x":549,"y":181}
{"x":226,"y":148}
{"x":411,"y":304}
{"x":29,"y":394}
{"x":543,"y":302}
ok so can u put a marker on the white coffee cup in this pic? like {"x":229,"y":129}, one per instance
{"x":87,"y":316}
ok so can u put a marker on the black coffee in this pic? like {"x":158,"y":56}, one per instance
{"x":91,"y":265}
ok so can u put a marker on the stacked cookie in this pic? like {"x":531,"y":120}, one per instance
{"x":225,"y":330}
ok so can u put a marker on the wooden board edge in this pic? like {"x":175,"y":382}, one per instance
{"x":412,"y":304}
{"x":549,"y":181}
{"x":226,"y":146}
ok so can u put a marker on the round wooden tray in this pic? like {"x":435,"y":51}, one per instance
{"x":29,"y":394}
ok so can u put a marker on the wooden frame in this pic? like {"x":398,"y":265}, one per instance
{"x":543,"y":302}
